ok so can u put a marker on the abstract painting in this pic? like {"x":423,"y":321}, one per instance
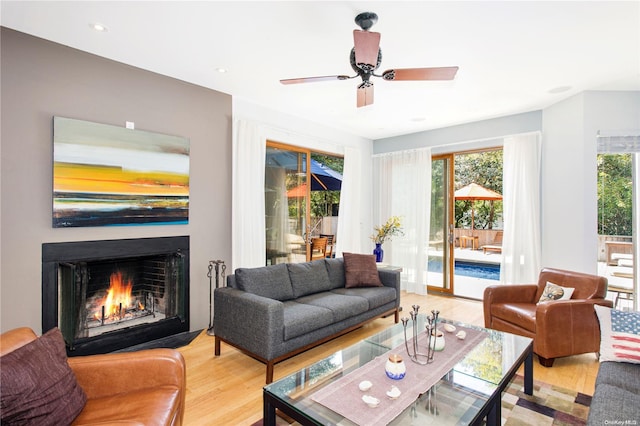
{"x":106,"y":175}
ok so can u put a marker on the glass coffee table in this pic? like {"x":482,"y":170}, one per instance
{"x":468,"y":393}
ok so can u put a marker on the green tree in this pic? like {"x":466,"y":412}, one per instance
{"x":484,"y":168}
{"x":615,"y":194}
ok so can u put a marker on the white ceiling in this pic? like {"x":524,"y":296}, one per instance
{"x":511,"y":54}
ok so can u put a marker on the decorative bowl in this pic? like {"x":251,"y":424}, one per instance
{"x":394,"y":392}
{"x":365,"y":385}
{"x":449,"y":328}
{"x":371,"y":401}
{"x":461,"y":334}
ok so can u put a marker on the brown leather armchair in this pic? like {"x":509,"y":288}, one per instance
{"x":558,"y":328}
{"x":135,"y":388}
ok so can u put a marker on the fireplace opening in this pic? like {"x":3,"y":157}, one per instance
{"x":108,"y":295}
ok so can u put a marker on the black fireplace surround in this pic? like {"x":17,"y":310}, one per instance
{"x":71,"y":271}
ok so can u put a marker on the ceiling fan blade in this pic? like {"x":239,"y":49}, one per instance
{"x":414,"y":74}
{"x":365,"y":95}
{"x":314,"y":79}
{"x":366,"y":44}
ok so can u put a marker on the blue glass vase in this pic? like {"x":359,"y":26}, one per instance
{"x":378,"y":252}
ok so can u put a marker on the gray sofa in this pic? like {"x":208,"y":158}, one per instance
{"x":616,"y":400}
{"x":274,"y":312}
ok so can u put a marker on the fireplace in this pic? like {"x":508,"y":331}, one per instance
{"x":112,"y":294}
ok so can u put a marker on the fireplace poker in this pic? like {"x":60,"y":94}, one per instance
{"x":220,"y":269}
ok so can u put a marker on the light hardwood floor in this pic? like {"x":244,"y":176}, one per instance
{"x":227,"y":390}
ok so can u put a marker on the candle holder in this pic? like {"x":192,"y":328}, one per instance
{"x":415,"y":354}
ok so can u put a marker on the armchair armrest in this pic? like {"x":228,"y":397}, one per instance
{"x":500,"y":293}
{"x":565,"y":327}
{"x":251,"y":322}
{"x":108,"y":374}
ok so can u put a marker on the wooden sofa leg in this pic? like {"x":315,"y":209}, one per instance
{"x":216,"y":346}
{"x":269,"y":372}
{"x":546,"y":362}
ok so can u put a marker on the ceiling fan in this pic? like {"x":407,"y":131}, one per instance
{"x":365,"y":58}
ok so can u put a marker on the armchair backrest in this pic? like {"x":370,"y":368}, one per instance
{"x":587,"y":286}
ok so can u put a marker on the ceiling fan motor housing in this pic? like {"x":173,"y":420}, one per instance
{"x":365,"y":20}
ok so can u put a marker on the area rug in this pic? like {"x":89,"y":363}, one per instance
{"x":549,"y":405}
{"x":172,"y":342}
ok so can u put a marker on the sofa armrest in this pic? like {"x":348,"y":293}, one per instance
{"x":565,"y":327}
{"x":391,"y":279}
{"x":501,"y":293}
{"x":108,"y":374}
{"x":249,"y":321}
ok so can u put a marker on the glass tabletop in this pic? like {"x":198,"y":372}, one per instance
{"x":459,"y":397}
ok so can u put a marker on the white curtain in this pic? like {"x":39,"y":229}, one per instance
{"x":247,"y":210}
{"x":349,"y":233}
{"x":402,"y":187}
{"x":521,"y":245}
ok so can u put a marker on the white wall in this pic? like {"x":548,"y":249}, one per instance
{"x":569,"y":178}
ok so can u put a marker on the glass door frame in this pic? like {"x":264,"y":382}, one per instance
{"x":447,"y":285}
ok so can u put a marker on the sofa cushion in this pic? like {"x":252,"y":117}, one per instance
{"x":37,"y":386}
{"x":360,"y":270}
{"x":612,"y":405}
{"x":376,"y":296}
{"x":335,"y":269}
{"x":300,"y":319}
{"x":267,"y":281}
{"x":308,"y":278}
{"x":618,"y":374}
{"x":341,"y":306}
{"x":619,"y":335}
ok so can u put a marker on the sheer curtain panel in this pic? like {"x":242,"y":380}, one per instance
{"x":521,"y":243}
{"x":349,"y":233}
{"x":247,"y":228}
{"x":402,"y":187}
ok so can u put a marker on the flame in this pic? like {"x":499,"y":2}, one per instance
{"x":119,"y":294}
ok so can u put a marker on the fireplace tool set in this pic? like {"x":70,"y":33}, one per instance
{"x":432,"y":321}
{"x":220,"y":269}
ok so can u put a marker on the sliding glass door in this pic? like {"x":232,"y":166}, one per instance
{"x":286,"y":204}
{"x":439,"y":276}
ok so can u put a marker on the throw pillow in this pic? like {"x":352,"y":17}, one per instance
{"x":360,"y":270}
{"x":555,"y":292}
{"x":37,"y":386}
{"x":266,"y":281}
{"x":619,"y":335}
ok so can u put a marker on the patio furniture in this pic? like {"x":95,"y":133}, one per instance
{"x":330,"y":241}
{"x":559,"y":327}
{"x":466,"y":238}
{"x":318,"y":248}
{"x":496,"y":245}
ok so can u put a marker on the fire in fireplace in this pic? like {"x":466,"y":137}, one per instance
{"x":107,"y":295}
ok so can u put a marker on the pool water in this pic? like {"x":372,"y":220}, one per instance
{"x":487,"y":271}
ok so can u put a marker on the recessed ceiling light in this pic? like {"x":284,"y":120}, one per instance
{"x":221,"y":70}
{"x":418,"y":119}
{"x":559,"y":89}
{"x":99,"y":27}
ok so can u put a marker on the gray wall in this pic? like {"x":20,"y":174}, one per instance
{"x":39,"y":80}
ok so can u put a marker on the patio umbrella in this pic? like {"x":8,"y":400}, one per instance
{"x":475,"y":192}
{"x":323,"y":178}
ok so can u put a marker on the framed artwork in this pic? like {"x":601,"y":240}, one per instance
{"x":107,"y":175}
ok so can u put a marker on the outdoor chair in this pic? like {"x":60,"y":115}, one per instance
{"x":496,"y":244}
{"x":558,"y":328}
{"x":330,"y":238}
{"x":318,"y":248}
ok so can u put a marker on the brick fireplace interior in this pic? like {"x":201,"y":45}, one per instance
{"x":112,"y":294}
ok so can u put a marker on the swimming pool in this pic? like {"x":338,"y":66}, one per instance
{"x":487,"y":271}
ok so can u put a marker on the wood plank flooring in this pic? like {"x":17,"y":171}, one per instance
{"x":227,"y":390}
